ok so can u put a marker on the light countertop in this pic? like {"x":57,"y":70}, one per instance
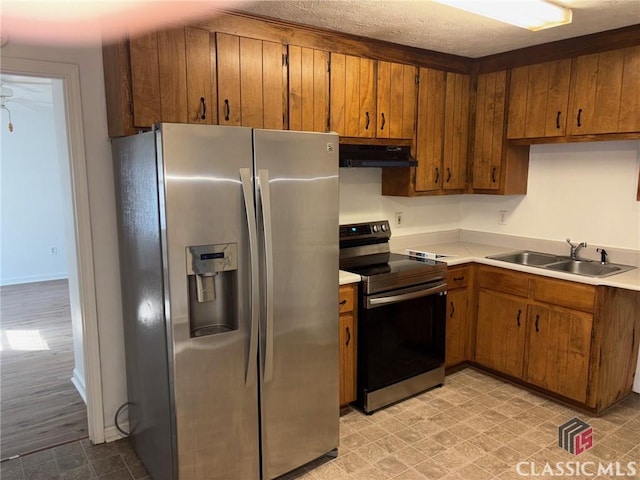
{"x":348,"y":277}
{"x":457,"y":253}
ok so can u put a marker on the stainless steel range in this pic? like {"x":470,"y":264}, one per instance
{"x":402,"y":317}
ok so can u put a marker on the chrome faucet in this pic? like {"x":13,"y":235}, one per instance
{"x":575,"y":248}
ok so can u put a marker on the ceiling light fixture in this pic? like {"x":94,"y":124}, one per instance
{"x":533,"y":15}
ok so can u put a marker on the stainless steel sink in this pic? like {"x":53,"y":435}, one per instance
{"x":558,"y":263}
{"x":535,"y":259}
{"x":589,"y":268}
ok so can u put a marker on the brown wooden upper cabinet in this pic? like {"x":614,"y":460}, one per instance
{"x":171,"y":77}
{"x":441,"y":138}
{"x":308,"y":89}
{"x":352,"y":111}
{"x":396,"y":100}
{"x":605,"y":90}
{"x":430,"y":133}
{"x":538,"y":100}
{"x":250,"y":82}
{"x":456,"y":131}
{"x":498,"y":167}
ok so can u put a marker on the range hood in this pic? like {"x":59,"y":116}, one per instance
{"x":376,"y":156}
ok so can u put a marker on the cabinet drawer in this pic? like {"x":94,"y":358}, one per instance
{"x":457,"y":277}
{"x":346,"y":300}
{"x":566,"y":294}
{"x":503,"y":281}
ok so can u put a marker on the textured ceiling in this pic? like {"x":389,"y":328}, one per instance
{"x":432,"y":26}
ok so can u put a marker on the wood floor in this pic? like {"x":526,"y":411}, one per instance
{"x":39,"y":406}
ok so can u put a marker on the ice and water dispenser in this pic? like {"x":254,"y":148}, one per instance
{"x":212,"y":275}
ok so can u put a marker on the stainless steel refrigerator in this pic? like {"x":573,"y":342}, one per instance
{"x":229,"y":261}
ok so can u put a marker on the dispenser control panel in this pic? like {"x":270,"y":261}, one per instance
{"x":211,"y":259}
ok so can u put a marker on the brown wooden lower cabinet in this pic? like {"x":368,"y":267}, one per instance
{"x":458,"y":316}
{"x":558,"y":350}
{"x":348,"y":325}
{"x":500,"y":337}
{"x":575,"y":341}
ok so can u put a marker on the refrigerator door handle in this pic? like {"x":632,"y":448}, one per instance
{"x":265,"y":200}
{"x":247,"y":193}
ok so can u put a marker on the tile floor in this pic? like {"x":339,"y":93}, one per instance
{"x":474,"y":428}
{"x":79,"y":460}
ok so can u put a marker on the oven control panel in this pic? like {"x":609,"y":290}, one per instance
{"x":379,"y":230}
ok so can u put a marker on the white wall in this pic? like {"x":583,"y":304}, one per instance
{"x":584,"y":191}
{"x":102,"y":208}
{"x":32,"y":193}
{"x":361,"y":201}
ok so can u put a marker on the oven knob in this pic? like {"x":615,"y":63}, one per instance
{"x":384,"y":227}
{"x":375,"y":229}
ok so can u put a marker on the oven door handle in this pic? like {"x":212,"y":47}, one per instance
{"x":387,"y":300}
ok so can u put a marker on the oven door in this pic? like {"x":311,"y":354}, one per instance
{"x":401,"y":336}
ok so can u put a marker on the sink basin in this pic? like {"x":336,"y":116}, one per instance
{"x":562,"y":264}
{"x":534,"y":259}
{"x":588,"y":268}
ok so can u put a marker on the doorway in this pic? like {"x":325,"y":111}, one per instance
{"x":77,"y":293}
{"x":39,"y":404}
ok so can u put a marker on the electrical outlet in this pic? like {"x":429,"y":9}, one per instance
{"x":398,"y":219}
{"x":502,"y":214}
{"x":53,"y":251}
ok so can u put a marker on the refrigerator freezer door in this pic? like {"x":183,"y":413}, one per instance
{"x":216,"y":409}
{"x":299,"y":358}
{"x":147,"y":352}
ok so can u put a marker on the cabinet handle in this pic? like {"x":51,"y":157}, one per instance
{"x":437,"y":175}
{"x":343,"y":302}
{"x":448,"y":174}
{"x":494,"y":170}
{"x":558,"y":120}
{"x":204,"y":109}
{"x":537,"y":320}
{"x":453,"y":310}
{"x":383,"y":121}
{"x":366,"y":127}
{"x":227,"y":109}
{"x":348,"y":336}
{"x":579,"y":117}
{"x":518,"y":317}
{"x":458,"y":279}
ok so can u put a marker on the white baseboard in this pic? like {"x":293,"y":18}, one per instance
{"x":34,"y":278}
{"x":78,"y":382}
{"x":111,"y":433}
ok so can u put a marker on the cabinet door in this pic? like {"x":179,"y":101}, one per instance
{"x":228,"y":58}
{"x":250,"y":82}
{"x":308,"y":89}
{"x":629,"y":116}
{"x":200,"y":65}
{"x":500,"y":335}
{"x":430,"y":132}
{"x":558,"y":349}
{"x":488,"y":145}
{"x":538,"y":100}
{"x":457,"y":327}
{"x":605,"y":92}
{"x":396,"y":100}
{"x":173,"y":75}
{"x":273,"y":86}
{"x":456,"y":131}
{"x":145,"y":80}
{"x":347,"y":359}
{"x":352,"y":112}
